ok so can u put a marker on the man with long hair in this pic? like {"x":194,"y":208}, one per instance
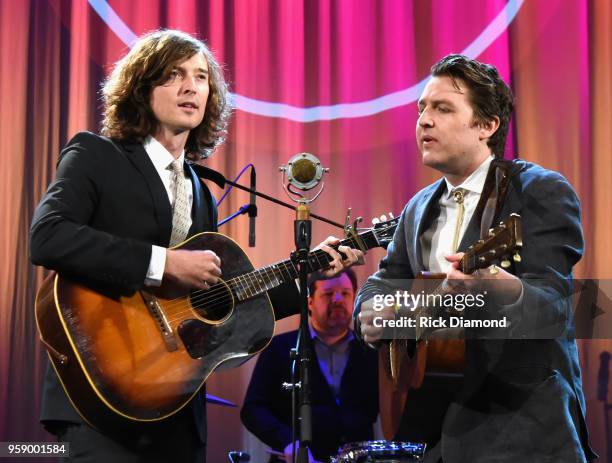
{"x":521,"y":397}
{"x":120,"y":202}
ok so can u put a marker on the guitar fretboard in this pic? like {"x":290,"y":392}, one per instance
{"x":259,"y":281}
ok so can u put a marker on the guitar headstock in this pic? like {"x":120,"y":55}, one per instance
{"x":384,"y":228}
{"x":504,"y":242}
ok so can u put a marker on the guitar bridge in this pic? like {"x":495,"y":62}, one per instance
{"x":158,"y":314}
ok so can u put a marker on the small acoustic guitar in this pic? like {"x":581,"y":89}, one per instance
{"x":403,"y":363}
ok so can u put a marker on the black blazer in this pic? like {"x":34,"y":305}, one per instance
{"x":267,"y":407}
{"x":97,"y":222}
{"x":522,"y":396}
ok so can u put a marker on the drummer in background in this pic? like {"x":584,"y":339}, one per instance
{"x":344,"y":373}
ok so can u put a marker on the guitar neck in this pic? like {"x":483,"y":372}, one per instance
{"x":259,"y":281}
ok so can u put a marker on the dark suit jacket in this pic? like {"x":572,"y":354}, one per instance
{"x":267,"y":407}
{"x":97,"y":222}
{"x":522,"y":396}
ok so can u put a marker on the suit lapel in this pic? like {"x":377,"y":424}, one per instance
{"x":163,"y":211}
{"x":204,"y":206}
{"x":472,"y":233}
{"x":197,"y":210}
{"x":423,"y":217}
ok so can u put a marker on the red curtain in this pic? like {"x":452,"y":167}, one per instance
{"x":336,"y":78}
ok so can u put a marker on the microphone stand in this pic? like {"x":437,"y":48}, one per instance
{"x":252,"y":208}
{"x":220,"y":180}
{"x":603,"y":378}
{"x":303,"y":353}
{"x":303,"y":235}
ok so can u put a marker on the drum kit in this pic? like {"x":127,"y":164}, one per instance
{"x":380,"y":451}
{"x":374,"y":451}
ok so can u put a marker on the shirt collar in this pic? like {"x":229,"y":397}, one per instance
{"x":313,"y":335}
{"x":159,"y":155}
{"x":475,"y":182}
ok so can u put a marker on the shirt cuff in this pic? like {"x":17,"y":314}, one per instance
{"x":157,"y":264}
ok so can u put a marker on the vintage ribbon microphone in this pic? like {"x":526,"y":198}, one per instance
{"x":219,"y":179}
{"x":302,"y":172}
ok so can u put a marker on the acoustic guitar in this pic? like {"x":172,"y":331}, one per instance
{"x":404,"y":362}
{"x":141,"y":357}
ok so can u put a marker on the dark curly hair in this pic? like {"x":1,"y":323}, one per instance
{"x":489,"y":95}
{"x":127,"y":91}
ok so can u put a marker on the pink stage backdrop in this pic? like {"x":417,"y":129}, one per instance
{"x":335,"y":78}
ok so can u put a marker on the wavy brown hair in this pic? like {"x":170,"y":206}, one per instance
{"x":126,"y":93}
{"x":489,"y":95}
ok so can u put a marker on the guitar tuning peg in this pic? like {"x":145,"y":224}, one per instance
{"x":375,"y":220}
{"x":516,"y":257}
{"x":494,"y":269}
{"x":383,"y":218}
{"x":505,"y":263}
{"x":491,"y":231}
{"x":390,"y":215}
{"x":347,"y":220}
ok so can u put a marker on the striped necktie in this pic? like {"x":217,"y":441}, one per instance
{"x":181,"y":213}
{"x":459,"y":197}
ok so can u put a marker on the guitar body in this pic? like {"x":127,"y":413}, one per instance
{"x":398,"y":371}
{"x":403,"y":363}
{"x":141,"y":357}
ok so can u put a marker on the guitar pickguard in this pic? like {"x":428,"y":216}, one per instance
{"x":200,"y":338}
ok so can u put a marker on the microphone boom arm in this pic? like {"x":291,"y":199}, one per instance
{"x":282,"y":203}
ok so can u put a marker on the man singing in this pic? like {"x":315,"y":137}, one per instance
{"x":522,"y":397}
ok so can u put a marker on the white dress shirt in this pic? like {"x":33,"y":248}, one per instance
{"x":437,"y":241}
{"x":162,"y":160}
{"x":332,"y":359}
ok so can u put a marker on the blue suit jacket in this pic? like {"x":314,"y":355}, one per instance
{"x":522,"y":396}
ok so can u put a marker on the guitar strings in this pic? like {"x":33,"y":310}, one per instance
{"x":316,"y":254}
{"x":211,"y":295}
{"x":248,"y":282}
{"x":228,"y":295}
{"x":226,"y":302}
{"x":204,"y":297}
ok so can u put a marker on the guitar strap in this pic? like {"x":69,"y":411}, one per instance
{"x":402,"y":367}
{"x":493,"y":194}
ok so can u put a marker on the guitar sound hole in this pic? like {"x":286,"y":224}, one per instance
{"x":214,"y":305}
